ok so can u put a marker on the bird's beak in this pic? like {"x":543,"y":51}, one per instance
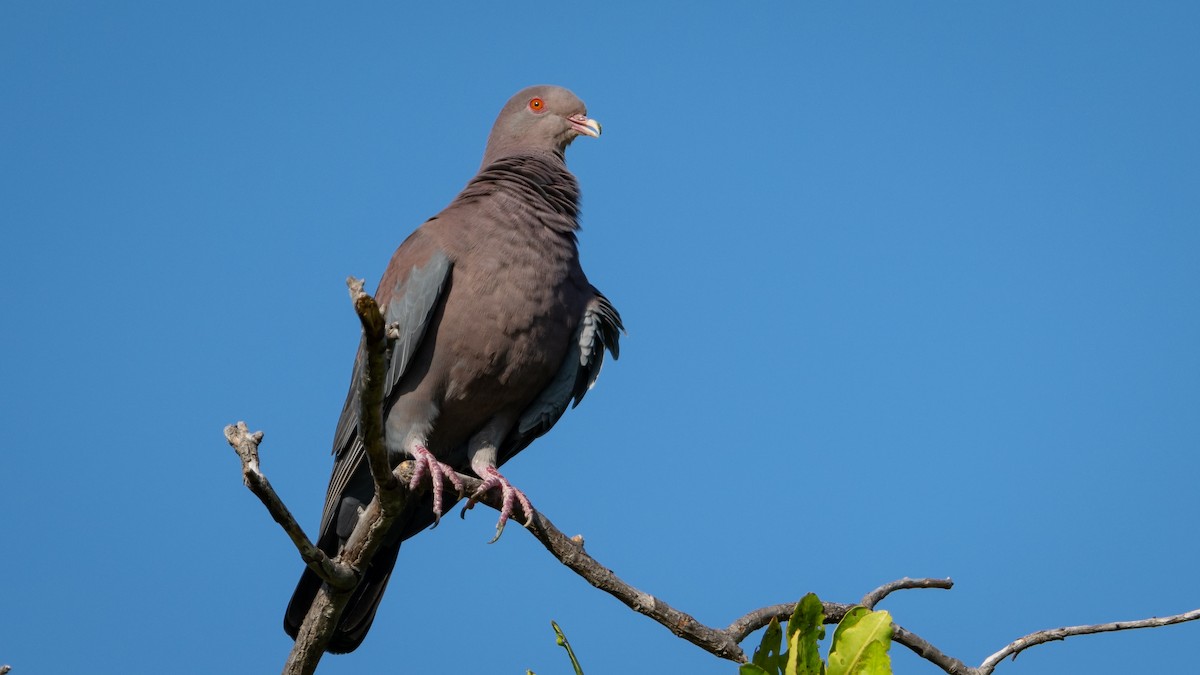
{"x":585,"y":126}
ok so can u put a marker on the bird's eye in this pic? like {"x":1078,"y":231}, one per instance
{"x":536,"y":104}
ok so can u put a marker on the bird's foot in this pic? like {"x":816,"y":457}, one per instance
{"x":425,"y":464}
{"x":509,"y":496}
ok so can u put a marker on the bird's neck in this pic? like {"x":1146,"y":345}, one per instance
{"x":499,"y":151}
{"x":540,"y":180}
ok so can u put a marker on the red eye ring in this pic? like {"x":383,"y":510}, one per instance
{"x":537,"y":105}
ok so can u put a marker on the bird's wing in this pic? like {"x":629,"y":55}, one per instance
{"x":599,"y":329}
{"x":409,"y":303}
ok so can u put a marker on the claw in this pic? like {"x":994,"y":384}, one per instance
{"x":426,"y":464}
{"x":509,"y":496}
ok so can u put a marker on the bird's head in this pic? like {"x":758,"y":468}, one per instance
{"x":541,"y":118}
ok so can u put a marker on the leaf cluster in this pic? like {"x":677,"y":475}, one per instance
{"x":859,"y":647}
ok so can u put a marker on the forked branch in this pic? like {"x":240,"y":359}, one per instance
{"x":341,"y":573}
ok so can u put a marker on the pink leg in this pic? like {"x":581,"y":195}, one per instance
{"x":509,"y":495}
{"x":427,"y":464}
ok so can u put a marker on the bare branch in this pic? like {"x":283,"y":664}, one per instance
{"x":390,"y":493}
{"x":876,"y":596}
{"x":921,"y":647}
{"x":571,"y":553}
{"x":723,"y":643}
{"x":370,"y":415}
{"x":246,"y":446}
{"x":720,"y":643}
{"x":1017,"y":646}
{"x":341,"y":573}
{"x":752,"y":621}
{"x":328,"y":605}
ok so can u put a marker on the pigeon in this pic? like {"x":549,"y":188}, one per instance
{"x":499,"y":332}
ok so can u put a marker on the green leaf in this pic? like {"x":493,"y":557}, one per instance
{"x":751,"y":669}
{"x":806,"y":626}
{"x":809,"y":613}
{"x":875,"y":661}
{"x":766,"y":655}
{"x":852,"y":652}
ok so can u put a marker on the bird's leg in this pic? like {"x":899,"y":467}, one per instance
{"x":509,"y":496}
{"x":426,"y":464}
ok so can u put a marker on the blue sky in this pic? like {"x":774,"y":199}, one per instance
{"x":911,"y":289}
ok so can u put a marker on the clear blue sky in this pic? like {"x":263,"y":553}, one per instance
{"x":911,"y":289}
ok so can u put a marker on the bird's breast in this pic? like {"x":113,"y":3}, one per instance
{"x":513,"y":307}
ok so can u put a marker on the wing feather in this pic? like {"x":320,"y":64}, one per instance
{"x":599,"y":329}
{"x":411,"y":304}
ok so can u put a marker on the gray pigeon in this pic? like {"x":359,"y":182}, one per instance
{"x":500,"y":332}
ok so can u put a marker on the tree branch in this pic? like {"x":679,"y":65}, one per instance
{"x":921,"y":647}
{"x":571,"y":553}
{"x":723,"y":643}
{"x":1021,"y":644}
{"x":341,"y":574}
{"x":874,"y":597}
{"x":370,"y":415}
{"x":390,"y":493}
{"x":246,"y":446}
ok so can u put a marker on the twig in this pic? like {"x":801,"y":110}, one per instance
{"x":561,"y":639}
{"x":571,"y":553}
{"x":921,"y":647}
{"x":370,"y":415}
{"x":1021,"y":644}
{"x":246,"y":446}
{"x":876,"y":596}
{"x":722,"y":643}
{"x":752,"y":621}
